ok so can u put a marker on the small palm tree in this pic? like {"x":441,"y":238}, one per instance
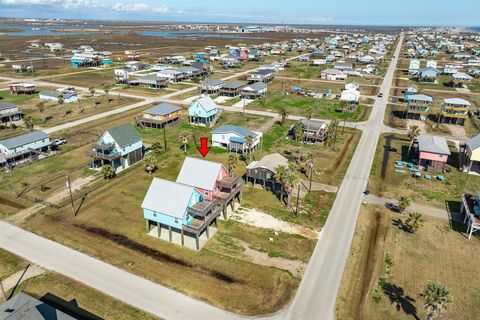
{"x":149,"y":163}
{"x":232,"y":162}
{"x":60,"y":100}
{"x":343,"y":105}
{"x":309,"y":114}
{"x":280,"y":173}
{"x":414,"y":221}
{"x":108,"y":172}
{"x":183,"y":137}
{"x":106,"y":89}
{"x":41,"y":109}
{"x":291,"y":179}
{"x":413,"y":133}
{"x":249,"y":141}
{"x":92,"y":92}
{"x":403,"y":203}
{"x":332,"y":132}
{"x":283,"y":114}
{"x":28,"y":122}
{"x":435,"y":297}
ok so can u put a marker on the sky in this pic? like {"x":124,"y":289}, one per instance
{"x":345,"y":12}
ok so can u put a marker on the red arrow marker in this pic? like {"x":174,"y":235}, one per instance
{"x":204,"y":148}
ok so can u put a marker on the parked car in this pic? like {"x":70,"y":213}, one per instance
{"x":380,"y":95}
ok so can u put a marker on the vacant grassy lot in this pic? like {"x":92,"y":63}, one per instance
{"x":438,"y":252}
{"x":297,"y":105}
{"x":9,"y":264}
{"x":384,"y":181}
{"x":96,"y":78}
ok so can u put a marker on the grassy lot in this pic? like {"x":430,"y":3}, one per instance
{"x":297,"y":105}
{"x":53,"y":288}
{"x":437,"y":252}
{"x":143,"y":91}
{"x":10,"y":264}
{"x":96,"y":78}
{"x":391,"y":184}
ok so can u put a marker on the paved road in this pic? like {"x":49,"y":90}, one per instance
{"x":316,"y":297}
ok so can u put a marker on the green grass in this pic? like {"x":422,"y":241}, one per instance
{"x":10,"y":263}
{"x":322,"y":108}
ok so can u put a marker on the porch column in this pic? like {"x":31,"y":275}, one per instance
{"x":147,"y":225}
{"x":183,"y":239}
{"x":470,"y":165}
{"x":159,"y":229}
{"x":208,"y":232}
{"x":197,"y":241}
{"x":170,"y":233}
{"x":224,"y":212}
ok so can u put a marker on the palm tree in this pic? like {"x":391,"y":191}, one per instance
{"x":232,"y":162}
{"x":283,"y":114}
{"x":309,"y":113}
{"x":60,"y":100}
{"x":414,"y":221}
{"x":291,"y":179}
{"x":108,"y":172}
{"x":279,"y":175}
{"x":403,"y":203}
{"x":249,"y":141}
{"x":436,"y":297}
{"x":343,"y":105}
{"x":332,"y":132}
{"x":413,"y":133}
{"x":41,"y":109}
{"x":149,"y":163}
{"x":92,"y":92}
{"x":310,"y":161}
{"x":106,"y":89}
{"x":183,"y":137}
{"x":299,"y":137}
{"x":28,"y":122}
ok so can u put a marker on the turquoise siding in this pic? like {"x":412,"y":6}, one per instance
{"x":168,"y":220}
{"x":107,"y":138}
{"x":196,"y":110}
{"x":132,"y":147}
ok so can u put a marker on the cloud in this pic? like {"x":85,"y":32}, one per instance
{"x":90,"y":4}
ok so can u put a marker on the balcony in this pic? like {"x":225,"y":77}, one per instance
{"x":105,"y":151}
{"x":201,"y":209}
{"x":229,"y":189}
{"x":197,"y":225}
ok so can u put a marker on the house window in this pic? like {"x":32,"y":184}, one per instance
{"x":206,"y":192}
{"x":155,"y":215}
{"x":176,"y":220}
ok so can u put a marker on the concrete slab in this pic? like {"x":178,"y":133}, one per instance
{"x":189,"y":241}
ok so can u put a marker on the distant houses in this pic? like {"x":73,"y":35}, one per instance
{"x":119,"y":147}
{"x":235,"y":139}
{"x":333,"y":74}
{"x":55,"y":96}
{"x":25,"y":147}
{"x":159,"y":116}
{"x":22,"y":88}
{"x":263,"y":75}
{"x":204,"y":112}
{"x":454,"y":111}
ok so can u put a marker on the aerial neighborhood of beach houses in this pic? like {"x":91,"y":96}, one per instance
{"x":239,"y":169}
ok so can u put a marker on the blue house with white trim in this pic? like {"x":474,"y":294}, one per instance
{"x":23,"y":148}
{"x":204,"y":112}
{"x":54,"y":96}
{"x":175,"y":207}
{"x":119,"y":147}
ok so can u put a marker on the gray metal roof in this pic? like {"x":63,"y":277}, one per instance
{"x":207,"y":103}
{"x":168,"y":197}
{"x":212,"y":82}
{"x":457,"y":102}
{"x":256,"y":86}
{"x":5,"y":106}
{"x":163,"y":109}
{"x":233,"y":84}
{"x":228,"y":128}
{"x":270,"y":162}
{"x":433,"y":144}
{"x":151,"y":79}
{"x":420,"y":97}
{"x":124,"y":135}
{"x":473,"y":143}
{"x":199,"y":173}
{"x":22,"y":306}
{"x":23,"y":139}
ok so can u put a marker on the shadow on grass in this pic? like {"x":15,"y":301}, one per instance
{"x":402,"y":302}
{"x":69,"y":307}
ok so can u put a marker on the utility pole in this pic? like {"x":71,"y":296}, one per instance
{"x":298,"y":199}
{"x":71,"y":196}
{"x":164,"y":138}
{"x":311,"y":176}
{"x":13,"y":185}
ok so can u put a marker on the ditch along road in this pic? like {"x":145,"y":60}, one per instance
{"x":316,"y":296}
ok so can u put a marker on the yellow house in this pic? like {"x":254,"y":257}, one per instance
{"x":455,"y":111}
{"x":159,"y":116}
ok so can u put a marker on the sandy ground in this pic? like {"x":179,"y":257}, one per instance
{"x":457,"y":131}
{"x":262,"y":220}
{"x":191,"y":99}
{"x":296,"y":267}
{"x":420,"y":124}
{"x":18,"y":277}
{"x":221,"y":99}
{"x":242,"y":102}
{"x":76,"y":185}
